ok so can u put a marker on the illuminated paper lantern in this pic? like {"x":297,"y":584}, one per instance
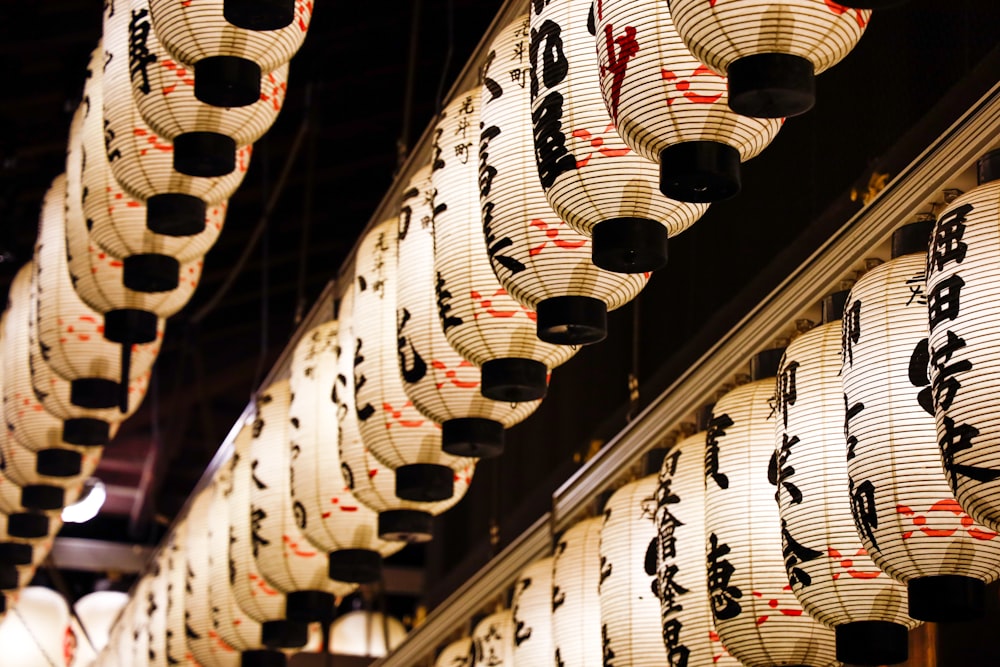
{"x":371,"y":482}
{"x":34,"y":633}
{"x":480,"y":320}
{"x":365,"y":633}
{"x":98,"y":612}
{"x":441,"y":384}
{"x":493,"y":641}
{"x":531,"y":610}
{"x":758,"y":618}
{"x":669,"y":107}
{"x":230,"y":51}
{"x":541,"y":261}
{"x":156,"y":608}
{"x":205,"y":137}
{"x":456,"y":654}
{"x":592,"y":179}
{"x":25,"y":540}
{"x":135,"y":651}
{"x":392,"y":429}
{"x":827,"y":566}
{"x":685,"y":610}
{"x":907,"y":517}
{"x":284,"y":556}
{"x":771,"y":52}
{"x":332,"y":518}
{"x":175,"y":643}
{"x":576,"y":604}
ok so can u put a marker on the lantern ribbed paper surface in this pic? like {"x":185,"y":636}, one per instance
{"x":441,"y":384}
{"x":98,"y":612}
{"x":34,"y":633}
{"x":365,"y":633}
{"x":177,"y":652}
{"x":135,"y":650}
{"x":576,"y":605}
{"x":156,"y":607}
{"x":668,"y":106}
{"x":589,"y":175}
{"x":630,"y":609}
{"x":456,"y":654}
{"x":65,"y":468}
{"x":829,"y":571}
{"x":21,"y":552}
{"x":758,"y":618}
{"x":480,"y":320}
{"x":685,"y":611}
{"x":493,"y":641}
{"x":332,"y":519}
{"x":531,"y":608}
{"x":538,"y":258}
{"x":907,"y":517}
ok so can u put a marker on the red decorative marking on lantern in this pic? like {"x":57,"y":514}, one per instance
{"x":848,"y":564}
{"x":838,"y":9}
{"x":343,"y":508}
{"x":257,"y":583}
{"x":597,"y":142}
{"x":278,"y":91}
{"x":152,"y":140}
{"x":243,"y":158}
{"x":950,"y":506}
{"x":773,"y":604}
{"x":487,"y":305}
{"x":181,"y":73}
{"x":620,"y":50}
{"x":69,"y":645}
{"x":397,"y":415}
{"x":452,"y":375}
{"x":293,"y":546}
{"x":683,"y":86}
{"x":552,"y":234}
{"x":303,"y":8}
{"x":714,"y":637}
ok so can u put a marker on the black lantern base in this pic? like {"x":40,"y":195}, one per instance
{"x":700,"y":172}
{"x":175,"y":214}
{"x":872,"y":643}
{"x":572,"y":320}
{"x":514,"y":380}
{"x":310,"y":607}
{"x":912,"y":238}
{"x":206,"y":154}
{"x":9,"y":578}
{"x":771,"y":85}
{"x":27,"y":525}
{"x":410,"y":526}
{"x":283,"y":634}
{"x":259,"y":14}
{"x":15,"y":553}
{"x":93,"y":393}
{"x":472,"y":436}
{"x":42,"y":497}
{"x":947,"y":597}
{"x":86,"y":432}
{"x":425,"y":482}
{"x":262,"y":658}
{"x":58,"y":462}
{"x":151,"y":272}
{"x":227,"y":81}
{"x":130,"y":326}
{"x":355,"y":566}
{"x":629,"y":245}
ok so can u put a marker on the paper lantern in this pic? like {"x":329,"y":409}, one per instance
{"x":481,"y":321}
{"x":456,"y":654}
{"x":392,"y":429}
{"x":669,"y":107}
{"x":576,"y":605}
{"x":135,"y":649}
{"x":771,"y":52}
{"x":906,"y":516}
{"x":227,"y":48}
{"x":493,"y":641}
{"x":829,"y":570}
{"x":963,"y":363}
{"x":332,"y":519}
{"x":205,"y":137}
{"x":371,"y":482}
{"x":284,"y":557}
{"x":34,"y":632}
{"x":592,"y":179}
{"x":98,"y":612}
{"x":175,"y":635}
{"x":685,"y":611}
{"x":531,"y":610}
{"x":441,"y":384}
{"x":365,"y":633}
{"x":25,"y":540}
{"x":757,"y":616}
{"x":157,"y":604}
{"x":541,"y":261}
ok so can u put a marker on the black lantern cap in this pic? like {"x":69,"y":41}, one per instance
{"x":514,"y":380}
{"x":130,"y":326}
{"x":988,"y":168}
{"x":227,"y":81}
{"x":629,"y":245}
{"x":832,"y":306}
{"x":58,"y":462}
{"x":872,"y":643}
{"x":572,"y":320}
{"x":93,"y":393}
{"x":410,"y":526}
{"x":205,"y":154}
{"x":15,"y":553}
{"x":355,"y":566}
{"x":262,"y":658}
{"x":42,"y":497}
{"x":151,"y":272}
{"x":8,"y":577}
{"x":472,"y":436}
{"x":425,"y":482}
{"x":700,"y":172}
{"x":27,"y":525}
{"x":283,"y":634}
{"x":912,"y":238}
{"x":175,"y":214}
{"x":310,"y":607}
{"x":765,"y":363}
{"x":86,"y":432}
{"x":946,"y":597}
{"x":259,"y":14}
{"x":771,"y":85}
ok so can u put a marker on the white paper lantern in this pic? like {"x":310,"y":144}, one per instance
{"x":685,"y":611}
{"x":156,"y":608}
{"x":531,"y":609}
{"x":371,"y":482}
{"x":592,"y":179}
{"x":830,"y":572}
{"x":25,"y":540}
{"x":441,"y":384}
{"x":493,"y":641}
{"x":97,"y":612}
{"x":176,"y":647}
{"x":135,"y":650}
{"x":541,"y":261}
{"x":907,"y":517}
{"x":757,"y":616}
{"x":332,"y":518}
{"x":770,"y":51}
{"x":365,"y":633}
{"x":456,"y":654}
{"x":481,"y":321}
{"x":669,"y":107}
{"x":34,"y":633}
{"x":576,"y":604}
